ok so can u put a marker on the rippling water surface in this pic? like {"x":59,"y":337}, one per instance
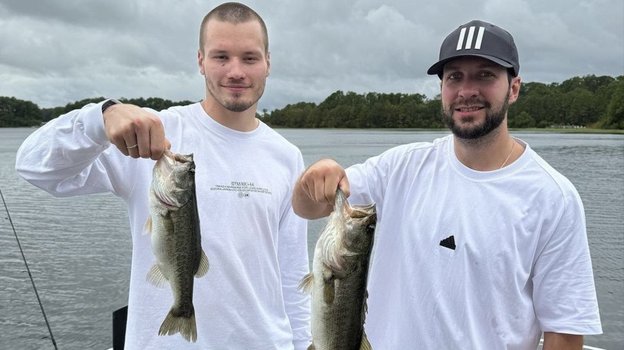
{"x":78,"y":248}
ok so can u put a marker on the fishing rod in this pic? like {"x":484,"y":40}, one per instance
{"x":28,"y":269}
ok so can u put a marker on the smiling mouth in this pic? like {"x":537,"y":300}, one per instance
{"x":468,"y":108}
{"x":235,"y":86}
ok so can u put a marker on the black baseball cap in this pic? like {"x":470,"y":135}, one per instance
{"x":481,"y":39}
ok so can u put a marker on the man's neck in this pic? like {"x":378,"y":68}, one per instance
{"x":487,"y":153}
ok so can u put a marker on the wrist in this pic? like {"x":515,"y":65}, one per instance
{"x":108,"y":103}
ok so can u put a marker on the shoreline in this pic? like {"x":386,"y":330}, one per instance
{"x":532,"y":130}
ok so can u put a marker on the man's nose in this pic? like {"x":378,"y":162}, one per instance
{"x":468,"y":89}
{"x":236,"y":70}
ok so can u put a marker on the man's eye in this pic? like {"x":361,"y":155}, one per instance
{"x":453,"y":76}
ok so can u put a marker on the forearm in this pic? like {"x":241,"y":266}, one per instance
{"x":63,"y":148}
{"x":560,"y":341}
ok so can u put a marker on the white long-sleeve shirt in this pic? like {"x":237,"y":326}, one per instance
{"x":256,"y":245}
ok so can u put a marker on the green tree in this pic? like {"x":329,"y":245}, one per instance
{"x":18,"y":113}
{"x":523,"y":120}
{"x":614,"y":117}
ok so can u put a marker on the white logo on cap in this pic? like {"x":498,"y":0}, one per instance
{"x":469,"y":40}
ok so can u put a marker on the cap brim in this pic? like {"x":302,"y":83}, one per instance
{"x":438,"y":67}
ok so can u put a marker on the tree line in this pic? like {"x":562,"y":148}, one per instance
{"x":19,"y":113}
{"x":589,"y":101}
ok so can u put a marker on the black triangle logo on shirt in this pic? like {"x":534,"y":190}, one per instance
{"x":448,"y":242}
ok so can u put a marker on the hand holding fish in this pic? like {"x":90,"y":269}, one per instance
{"x":315,"y":191}
{"x":135,"y":131}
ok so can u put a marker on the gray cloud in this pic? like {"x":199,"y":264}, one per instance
{"x":56,"y":52}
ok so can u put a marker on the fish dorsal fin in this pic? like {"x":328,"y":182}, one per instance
{"x":307,"y":282}
{"x":203,"y":265}
{"x":156,"y":277}
{"x":365,"y":345}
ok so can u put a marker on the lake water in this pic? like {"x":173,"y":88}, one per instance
{"x":78,"y":249}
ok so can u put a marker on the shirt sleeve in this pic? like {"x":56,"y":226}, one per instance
{"x":71,"y":155}
{"x":294,"y":265}
{"x":368,"y":180}
{"x":563,"y":283}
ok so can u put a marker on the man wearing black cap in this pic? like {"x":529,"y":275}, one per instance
{"x":480,"y":244}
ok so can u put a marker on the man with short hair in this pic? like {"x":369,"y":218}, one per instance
{"x":480,"y":244}
{"x":245,"y":172}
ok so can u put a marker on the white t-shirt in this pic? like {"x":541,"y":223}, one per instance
{"x":465,"y":259}
{"x":255,"y":244}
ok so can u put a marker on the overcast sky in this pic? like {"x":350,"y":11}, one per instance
{"x":53,"y":52}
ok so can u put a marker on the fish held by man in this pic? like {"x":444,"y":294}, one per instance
{"x":338,"y":279}
{"x":176,"y":239}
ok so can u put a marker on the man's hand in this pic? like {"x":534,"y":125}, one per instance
{"x":136,"y":132}
{"x":315,"y":191}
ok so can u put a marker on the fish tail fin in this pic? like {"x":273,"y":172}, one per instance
{"x":176,"y":322}
{"x":203,"y":265}
{"x":365,"y":345}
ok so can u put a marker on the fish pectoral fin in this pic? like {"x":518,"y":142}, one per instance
{"x":156,"y":277}
{"x":147,"y":229}
{"x":329,"y":284}
{"x":307,"y":283}
{"x":329,"y":291}
{"x":365,"y":345}
{"x":339,"y":274}
{"x":311,"y":347}
{"x":203,"y":265}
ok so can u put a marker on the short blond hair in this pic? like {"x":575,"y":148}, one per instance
{"x":233,"y":12}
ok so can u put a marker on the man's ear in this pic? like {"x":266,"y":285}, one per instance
{"x":514,"y":89}
{"x":200,"y":59}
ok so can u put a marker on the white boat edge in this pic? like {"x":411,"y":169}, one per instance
{"x":585,"y":347}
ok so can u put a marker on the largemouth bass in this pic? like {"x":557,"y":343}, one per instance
{"x":176,"y":239}
{"x":337,"y":282}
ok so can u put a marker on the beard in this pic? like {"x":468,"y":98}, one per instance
{"x":237,"y":106}
{"x":234,"y":103}
{"x":493,"y":119}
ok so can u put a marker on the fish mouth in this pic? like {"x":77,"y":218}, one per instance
{"x":181,"y":158}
